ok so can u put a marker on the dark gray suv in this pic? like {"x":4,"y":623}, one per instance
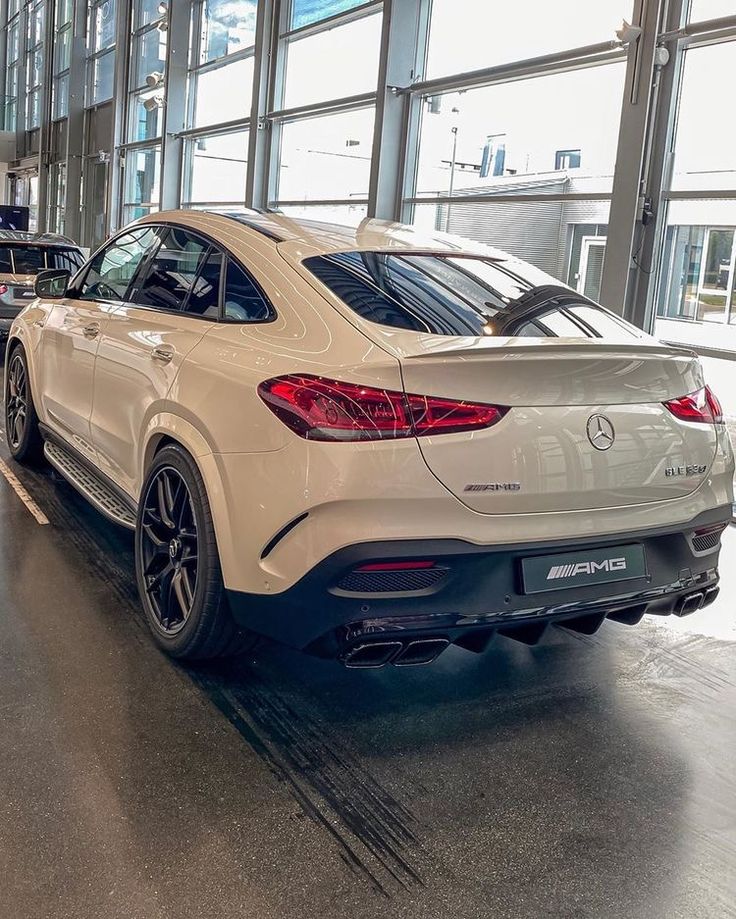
{"x":22,"y":256}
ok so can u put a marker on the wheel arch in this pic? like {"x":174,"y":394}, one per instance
{"x":166,"y":429}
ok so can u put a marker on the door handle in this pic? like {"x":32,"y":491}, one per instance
{"x":163,"y":355}
{"x":92,"y":330}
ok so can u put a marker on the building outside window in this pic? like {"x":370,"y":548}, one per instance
{"x":567,"y":159}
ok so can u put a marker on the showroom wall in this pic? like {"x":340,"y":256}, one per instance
{"x":521,"y":125}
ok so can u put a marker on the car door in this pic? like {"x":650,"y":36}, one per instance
{"x":172,"y":304}
{"x":72,"y":333}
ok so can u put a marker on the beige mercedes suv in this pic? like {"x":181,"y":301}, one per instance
{"x":368,"y":443}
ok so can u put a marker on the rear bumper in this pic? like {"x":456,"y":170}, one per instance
{"x":476,"y":590}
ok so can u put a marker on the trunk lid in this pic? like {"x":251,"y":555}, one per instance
{"x":541,"y":457}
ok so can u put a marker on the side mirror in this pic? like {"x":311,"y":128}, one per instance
{"x":52,"y":283}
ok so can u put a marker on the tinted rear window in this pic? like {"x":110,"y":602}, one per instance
{"x":461,"y":295}
{"x":28,"y":259}
{"x":69,"y":259}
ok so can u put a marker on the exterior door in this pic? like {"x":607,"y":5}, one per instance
{"x":72,"y":335}
{"x":716,"y":275}
{"x":171,"y":306}
{"x":592,"y":253}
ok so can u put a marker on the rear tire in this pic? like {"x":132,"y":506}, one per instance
{"x":177,"y":564}
{"x":21,"y":421}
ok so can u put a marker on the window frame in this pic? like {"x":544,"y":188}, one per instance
{"x":211,"y":244}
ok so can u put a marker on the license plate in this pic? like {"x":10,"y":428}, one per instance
{"x":23,"y":293}
{"x":581,"y":569}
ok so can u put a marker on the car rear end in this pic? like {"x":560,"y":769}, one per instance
{"x":565,"y":467}
{"x":22,"y":256}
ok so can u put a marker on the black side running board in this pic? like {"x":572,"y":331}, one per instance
{"x":100,"y":494}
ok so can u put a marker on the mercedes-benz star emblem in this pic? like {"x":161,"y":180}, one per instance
{"x":600,"y":432}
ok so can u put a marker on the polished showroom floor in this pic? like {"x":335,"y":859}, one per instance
{"x":585,"y":777}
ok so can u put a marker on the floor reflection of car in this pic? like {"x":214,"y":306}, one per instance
{"x":22,"y":256}
{"x":368,"y":443}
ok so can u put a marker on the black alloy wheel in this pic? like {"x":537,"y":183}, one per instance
{"x":16,"y":400}
{"x":21,"y":422}
{"x":178,"y":565}
{"x":169,"y":543}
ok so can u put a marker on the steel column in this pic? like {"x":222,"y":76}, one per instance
{"x":75,"y":123}
{"x":645,"y":280}
{"x":403,"y":44}
{"x":175,"y":108}
{"x":625,"y":221}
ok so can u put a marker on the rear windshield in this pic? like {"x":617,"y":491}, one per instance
{"x":462,"y":295}
{"x":29,"y":259}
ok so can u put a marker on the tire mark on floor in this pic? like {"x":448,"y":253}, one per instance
{"x":374,"y":834}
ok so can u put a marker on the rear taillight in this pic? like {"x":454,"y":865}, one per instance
{"x":701,"y":406}
{"x":322,"y":409}
{"x":3,"y":289}
{"x":715,"y":405}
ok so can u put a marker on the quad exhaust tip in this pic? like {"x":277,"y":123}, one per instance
{"x":691,"y":603}
{"x":374,"y":654}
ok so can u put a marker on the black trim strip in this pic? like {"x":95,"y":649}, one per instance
{"x":284,"y":531}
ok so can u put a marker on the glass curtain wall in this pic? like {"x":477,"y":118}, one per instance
{"x":322,"y":128}
{"x":146,"y":98}
{"x":520,"y":164}
{"x":34,"y":63}
{"x":219,"y":99}
{"x":12,"y":73}
{"x":101,"y":51}
{"x":696,"y":296}
{"x":62,"y":53}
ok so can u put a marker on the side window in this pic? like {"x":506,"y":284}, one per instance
{"x":6,"y":266}
{"x":204,"y":299}
{"x":243,"y":301}
{"x":111,"y":271}
{"x":171,"y":273}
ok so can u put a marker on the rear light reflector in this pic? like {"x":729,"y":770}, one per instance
{"x":705,"y":531}
{"x":702,"y":407}
{"x":321,"y":409}
{"x":395,"y":566}
{"x":706,"y":538}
